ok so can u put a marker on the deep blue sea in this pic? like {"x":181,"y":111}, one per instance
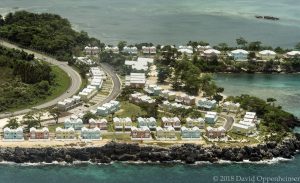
{"x":176,"y":22}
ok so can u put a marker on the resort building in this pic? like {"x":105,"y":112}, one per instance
{"x":171,"y":122}
{"x":88,"y":92}
{"x":108,"y":108}
{"x":293,"y":54}
{"x":142,"y":64}
{"x":149,"y":49}
{"x":139,"y":98}
{"x":173,"y":105}
{"x":203,"y":48}
{"x":69,"y":103}
{"x":73,"y":122}
{"x":211,"y":53}
{"x":153,"y":90}
{"x":186,"y":99}
{"x":239,"y":55}
{"x":244,"y":128}
{"x":190,"y":133}
{"x":101,"y":123}
{"x":165,"y":133}
{"x":187,"y":50}
{"x":13,"y":134}
{"x":113,"y":49}
{"x":90,"y":134}
{"x":122,"y":123}
{"x":231,"y":107}
{"x":211,"y":117}
{"x":267,"y":55}
{"x":65,"y":134}
{"x":130,"y":50}
{"x":250,"y":117}
{"x":39,"y":134}
{"x":142,"y":133}
{"x":169,"y":95}
{"x":96,"y":82}
{"x":206,"y":104}
{"x":214,"y":133}
{"x":97,"y":72}
{"x":195,"y":122}
{"x":91,"y":50}
{"x":136,"y":80}
{"x":147,"y":122}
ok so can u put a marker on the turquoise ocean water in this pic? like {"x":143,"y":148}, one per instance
{"x":146,"y":173}
{"x":283,"y":87}
{"x":176,"y":22}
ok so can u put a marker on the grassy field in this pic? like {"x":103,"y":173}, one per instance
{"x":128,"y":110}
{"x":124,"y":137}
{"x":62,"y":81}
{"x":54,"y":126}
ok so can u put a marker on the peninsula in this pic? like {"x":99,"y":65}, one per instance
{"x":140,"y":102}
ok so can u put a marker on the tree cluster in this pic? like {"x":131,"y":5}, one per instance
{"x":46,"y":32}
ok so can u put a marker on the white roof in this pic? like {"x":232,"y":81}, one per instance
{"x":251,"y":113}
{"x":19,"y":129}
{"x":144,"y":59}
{"x":237,"y":51}
{"x":242,"y":126}
{"x":194,"y":119}
{"x":39,"y":130}
{"x":59,"y":129}
{"x":184,"y":50}
{"x":248,"y":124}
{"x":211,"y":113}
{"x":293,"y":53}
{"x":267,"y":52}
{"x":210,"y":51}
{"x":204,"y":47}
{"x":96,"y":129}
{"x":210,"y":116}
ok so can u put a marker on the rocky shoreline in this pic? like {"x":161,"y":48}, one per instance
{"x":187,"y":153}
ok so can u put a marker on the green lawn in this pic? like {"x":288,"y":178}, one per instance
{"x":62,"y":81}
{"x":128,"y":110}
{"x":117,"y":136}
{"x":54,"y":126}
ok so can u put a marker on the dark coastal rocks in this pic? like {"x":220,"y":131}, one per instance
{"x":187,"y":153}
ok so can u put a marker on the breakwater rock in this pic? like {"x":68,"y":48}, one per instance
{"x":188,"y":153}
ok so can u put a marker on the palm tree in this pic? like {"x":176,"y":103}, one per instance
{"x":55,"y":113}
{"x":12,"y":123}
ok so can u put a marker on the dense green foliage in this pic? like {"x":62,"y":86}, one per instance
{"x":274,"y":117}
{"x":115,"y":60}
{"x":45,"y":32}
{"x":185,"y":74}
{"x":22,"y":79}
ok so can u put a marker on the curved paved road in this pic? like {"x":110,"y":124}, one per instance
{"x":74,"y":76}
{"x":116,"y":90}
